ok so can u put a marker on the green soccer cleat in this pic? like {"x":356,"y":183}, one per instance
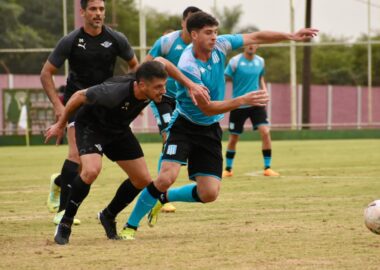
{"x":153,"y":214}
{"x":127,"y":234}
{"x":52,"y":202}
{"x":57,"y":218}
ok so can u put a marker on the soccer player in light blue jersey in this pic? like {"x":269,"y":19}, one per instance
{"x":194,"y":133}
{"x":170,"y":47}
{"x":246,"y":70}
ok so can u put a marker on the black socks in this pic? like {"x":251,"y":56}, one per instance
{"x":68,"y":173}
{"x":125,"y":194}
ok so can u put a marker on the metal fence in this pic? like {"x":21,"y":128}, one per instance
{"x":332,"y":107}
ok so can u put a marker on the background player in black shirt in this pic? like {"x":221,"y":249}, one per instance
{"x":91,"y":51}
{"x":102,"y":126}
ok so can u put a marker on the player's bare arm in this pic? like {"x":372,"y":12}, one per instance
{"x":262,"y":37}
{"x":148,"y":57}
{"x":57,"y":129}
{"x":263,"y":84}
{"x":256,"y":98}
{"x":133,"y":64}
{"x":197,"y":92}
{"x":46,"y":78}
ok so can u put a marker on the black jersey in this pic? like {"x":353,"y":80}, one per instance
{"x":112,"y":105}
{"x":91,"y":58}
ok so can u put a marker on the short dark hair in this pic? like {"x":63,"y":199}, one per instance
{"x":200,"y":19}
{"x":84,"y":3}
{"x":188,"y":10}
{"x":150,"y":70}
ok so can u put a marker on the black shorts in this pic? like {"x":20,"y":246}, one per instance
{"x":163,"y":112}
{"x":257,"y":115}
{"x":199,"y":146}
{"x":116,"y":147}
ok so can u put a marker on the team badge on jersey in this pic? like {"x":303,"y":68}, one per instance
{"x":106,"y":44}
{"x":126,"y":105}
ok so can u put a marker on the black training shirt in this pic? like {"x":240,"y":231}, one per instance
{"x":91,"y":58}
{"x":112,"y":105}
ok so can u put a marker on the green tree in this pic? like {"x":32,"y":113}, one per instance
{"x":157,"y":23}
{"x":332,"y":64}
{"x":15,"y":34}
{"x":228,"y":18}
{"x":360,"y":61}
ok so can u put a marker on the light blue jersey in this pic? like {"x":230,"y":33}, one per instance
{"x":245,"y":74}
{"x":209,"y":74}
{"x":170,"y":47}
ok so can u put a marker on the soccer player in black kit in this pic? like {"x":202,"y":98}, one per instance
{"x":102,"y":126}
{"x":91,"y":51}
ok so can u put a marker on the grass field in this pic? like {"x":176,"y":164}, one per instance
{"x":309,"y":218}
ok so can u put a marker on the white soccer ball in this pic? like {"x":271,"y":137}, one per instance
{"x":372,"y":216}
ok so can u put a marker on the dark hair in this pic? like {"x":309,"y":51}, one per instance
{"x":83,"y":3}
{"x":200,"y":19}
{"x":150,"y":70}
{"x":188,"y":10}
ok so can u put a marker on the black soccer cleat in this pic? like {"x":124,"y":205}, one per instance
{"x":62,"y":234}
{"x":109,"y":226}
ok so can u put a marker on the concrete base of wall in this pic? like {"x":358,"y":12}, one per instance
{"x":247,"y":135}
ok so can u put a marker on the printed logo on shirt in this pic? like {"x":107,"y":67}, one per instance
{"x":178,"y":47}
{"x":172,"y":149}
{"x":243,"y":64}
{"x":81,"y":43}
{"x":203,"y":70}
{"x":106,"y":44}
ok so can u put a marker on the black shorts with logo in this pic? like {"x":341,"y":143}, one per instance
{"x":116,"y":147}
{"x":257,"y":115}
{"x":163,"y":112}
{"x":198,"y":146}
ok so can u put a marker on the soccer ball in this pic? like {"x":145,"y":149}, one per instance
{"x":372,"y":216}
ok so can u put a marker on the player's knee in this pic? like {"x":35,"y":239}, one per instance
{"x":90,"y":174}
{"x":142,"y":181}
{"x":164,"y":183}
{"x":209,"y":195}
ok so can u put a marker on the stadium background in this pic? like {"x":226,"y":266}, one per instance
{"x":343,"y":95}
